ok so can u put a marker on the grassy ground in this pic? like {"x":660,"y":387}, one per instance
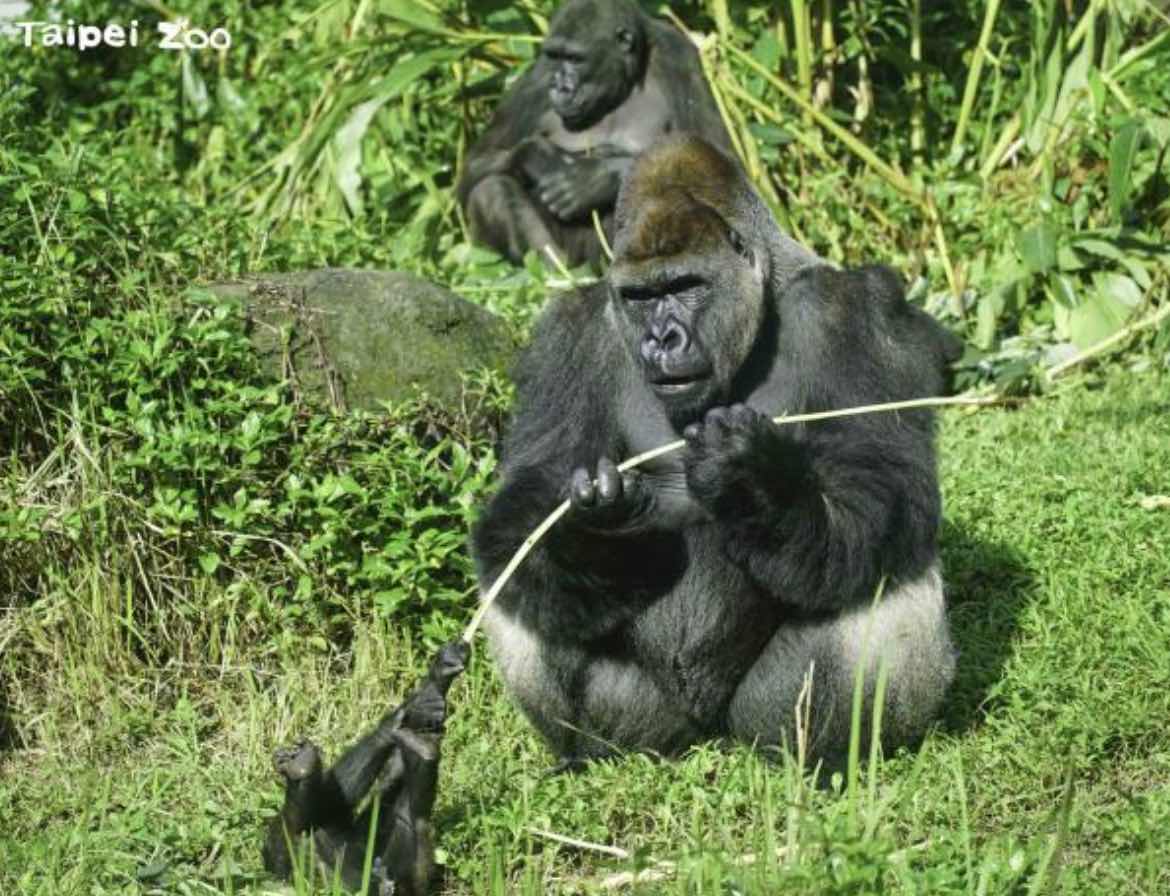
{"x":1050,"y":771}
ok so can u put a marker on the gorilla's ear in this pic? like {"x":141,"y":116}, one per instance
{"x":625,"y":37}
{"x":740,"y":246}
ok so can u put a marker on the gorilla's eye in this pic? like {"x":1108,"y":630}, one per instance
{"x":741,"y":248}
{"x":637,"y":294}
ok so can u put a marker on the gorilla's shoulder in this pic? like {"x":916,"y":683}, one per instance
{"x":567,"y":345}
{"x":859,"y":319}
{"x":666,"y":39}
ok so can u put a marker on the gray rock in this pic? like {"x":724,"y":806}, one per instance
{"x":355,"y":338}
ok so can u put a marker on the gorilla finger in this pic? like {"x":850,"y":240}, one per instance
{"x":609,"y":481}
{"x":693,"y":433}
{"x":581,"y":490}
{"x":717,"y":418}
{"x":632,"y":483}
{"x":741,"y":415}
{"x":562,"y":208}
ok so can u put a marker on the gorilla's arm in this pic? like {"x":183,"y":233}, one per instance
{"x":817,"y":514}
{"x":572,"y":190}
{"x":583,"y":578}
{"x":509,"y":145}
{"x":817,"y":518}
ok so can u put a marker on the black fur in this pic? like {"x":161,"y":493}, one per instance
{"x":690,"y":601}
{"x":321,"y":804}
{"x":609,"y":81}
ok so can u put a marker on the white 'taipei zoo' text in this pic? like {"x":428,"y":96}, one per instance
{"x":177,"y":35}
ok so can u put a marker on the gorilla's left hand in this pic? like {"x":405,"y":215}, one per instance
{"x":573,"y":191}
{"x":733,"y":459}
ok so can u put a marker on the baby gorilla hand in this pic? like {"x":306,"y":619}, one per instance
{"x":612,"y":501}
{"x":733,"y":457}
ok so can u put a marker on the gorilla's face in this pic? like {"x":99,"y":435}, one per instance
{"x":593,"y":52}
{"x":690,"y":320}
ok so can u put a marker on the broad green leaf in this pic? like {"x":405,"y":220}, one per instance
{"x":1037,"y":246}
{"x":1106,"y":249}
{"x":194,"y":87}
{"x":1102,"y":311}
{"x":411,"y":13}
{"x":347,"y":143}
{"x":1119,"y":288}
{"x":1064,"y":290}
{"x":1123,"y":150}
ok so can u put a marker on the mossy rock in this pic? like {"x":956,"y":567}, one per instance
{"x":356,"y":338}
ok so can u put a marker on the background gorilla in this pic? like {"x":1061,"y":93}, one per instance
{"x":690,"y":599}
{"x":610,"y":80}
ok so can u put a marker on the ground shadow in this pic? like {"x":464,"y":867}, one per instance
{"x":989,"y":584}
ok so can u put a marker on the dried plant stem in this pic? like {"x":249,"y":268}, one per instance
{"x":616,"y":851}
{"x":561,"y":509}
{"x":1107,"y":343}
{"x":895,"y":178}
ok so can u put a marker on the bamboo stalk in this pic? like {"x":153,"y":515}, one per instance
{"x":972,"y":85}
{"x":892,"y":175}
{"x":561,"y":509}
{"x":918,"y":112}
{"x":802,"y":36}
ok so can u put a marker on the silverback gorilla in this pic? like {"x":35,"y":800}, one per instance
{"x":610,"y":81}
{"x":689,"y":599}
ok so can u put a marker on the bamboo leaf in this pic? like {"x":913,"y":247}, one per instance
{"x":194,"y":88}
{"x":1037,"y":246}
{"x":347,"y":144}
{"x":411,"y":13}
{"x":1123,"y":150}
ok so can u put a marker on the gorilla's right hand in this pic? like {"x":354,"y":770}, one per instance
{"x":614,"y":500}
{"x":536,"y":158}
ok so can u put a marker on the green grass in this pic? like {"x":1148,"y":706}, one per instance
{"x":1050,"y":771}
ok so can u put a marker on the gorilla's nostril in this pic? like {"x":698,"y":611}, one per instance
{"x":675,"y":338}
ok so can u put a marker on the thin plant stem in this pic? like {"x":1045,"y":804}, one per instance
{"x":972,"y":86}
{"x":1109,"y":342}
{"x":561,"y":509}
{"x":918,"y":112}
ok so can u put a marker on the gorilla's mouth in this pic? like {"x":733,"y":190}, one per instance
{"x":675,"y":384}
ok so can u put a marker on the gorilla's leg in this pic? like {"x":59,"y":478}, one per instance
{"x":502,"y":215}
{"x":407,"y":856}
{"x":907,"y":632}
{"x":306,"y":801}
{"x":586,"y":704}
